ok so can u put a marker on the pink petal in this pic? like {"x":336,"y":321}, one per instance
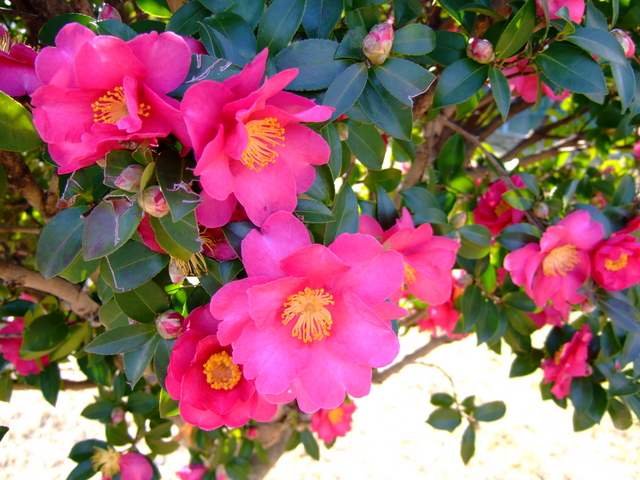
{"x":249,"y":78}
{"x":214,"y":213}
{"x":134,"y":466}
{"x":316,"y":262}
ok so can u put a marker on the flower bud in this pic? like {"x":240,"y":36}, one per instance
{"x":377,"y":44}
{"x":252,"y":433}
{"x":129,"y":178}
{"x":169,"y":324}
{"x":107,"y":12}
{"x":458,"y":220}
{"x":625,"y":40}
{"x":153,"y":202}
{"x":587,"y":306}
{"x":541,"y":210}
{"x":464,"y":281}
{"x":343,"y":131}
{"x":480,"y":50}
{"x":117,"y":415}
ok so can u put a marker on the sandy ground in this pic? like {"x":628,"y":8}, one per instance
{"x":389,"y":439}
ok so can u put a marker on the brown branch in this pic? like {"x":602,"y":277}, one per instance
{"x":16,"y":13}
{"x":80,"y":303}
{"x":66,"y":385}
{"x":422,"y":103}
{"x":20,"y":179}
{"x":435,"y":342}
{"x":12,"y":229}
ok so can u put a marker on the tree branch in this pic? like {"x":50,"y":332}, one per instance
{"x":12,"y":229}
{"x":66,"y":385}
{"x":80,"y":303}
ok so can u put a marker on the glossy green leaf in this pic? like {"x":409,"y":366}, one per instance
{"x":131,"y":266}
{"x":625,"y":79}
{"x":403,"y":79}
{"x":581,"y":394}
{"x":320,"y":17}
{"x":144,"y":303}
{"x":625,"y":191}
{"x":520,"y":198}
{"x":175,"y":176}
{"x":501,"y":92}
{"x":346,"y":89}
{"x":595,"y":18}
{"x":385,"y":209}
{"x":111,"y":315}
{"x":279,"y":24}
{"x":599,"y":43}
{"x":476,"y":241}
{"x":121,"y":339}
{"x":473,"y":307}
{"x":517,"y":31}
{"x":157,"y":8}
{"x":231,"y":37}
{"x":520,"y":301}
{"x":406,"y":10}
{"x":322,"y":189}
{"x":78,"y":334}
{"x":468,"y":444}
{"x":109,"y":226}
{"x":414,"y":39}
{"x":312,"y":211}
{"x":490,"y":412}
{"x":451,"y":158}
{"x":418,"y":198}
{"x":365,"y":17}
{"x":49,"y":30}
{"x":50,"y":383}
{"x":187,"y":18}
{"x":82,"y":471}
{"x":459,"y":82}
{"x":250,"y":10}
{"x":621,"y":386}
{"x":620,"y":414}
{"x":450,"y":47}
{"x":168,"y":406}
{"x":45,"y":333}
{"x":184,"y":231}
{"x":571,"y":68}
{"x":346,"y":215}
{"x":526,"y":363}
{"x":622,"y":313}
{"x":445,"y":419}
{"x":366,"y":144}
{"x":441,"y":400}
{"x":332,"y":137}
{"x":60,"y":241}
{"x":161,"y":360}
{"x":142,"y":402}
{"x":387,"y":179}
{"x":80,"y":269}
{"x":17,"y":133}
{"x":387,"y":113}
{"x":84,"y":450}
{"x":98,"y":410}
{"x":517,"y":236}
{"x":310,"y":444}
{"x":351,"y":44}
{"x":136,"y":361}
{"x":116,"y":29}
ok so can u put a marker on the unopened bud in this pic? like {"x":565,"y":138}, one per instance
{"x":458,"y":220}
{"x":107,"y":12}
{"x":153,"y":202}
{"x":377,"y":44}
{"x":541,"y":210}
{"x":117,"y":415}
{"x":587,"y":306}
{"x":176,"y":272}
{"x":252,"y":433}
{"x":480,"y":50}
{"x":343,"y":131}
{"x":464,"y":281}
{"x":169,"y":324}
{"x":129,"y":178}
{"x":625,"y":40}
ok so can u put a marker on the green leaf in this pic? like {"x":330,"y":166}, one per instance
{"x":322,"y":189}
{"x":403,"y":79}
{"x":157,"y":8}
{"x":109,"y":226}
{"x":279,"y":24}
{"x":230,"y":37}
{"x":388,"y":179}
{"x":310,"y":444}
{"x":451,"y":157}
{"x":621,"y":386}
{"x":332,"y":137}
{"x":83,"y":471}
{"x":112,"y":316}
{"x":581,"y":394}
{"x":525,"y":364}
{"x":45,"y":333}
{"x":17,"y":133}
{"x":78,"y":332}
{"x":96,"y":369}
{"x":490,"y":412}
{"x":445,"y":419}
{"x":517,"y":236}
{"x":6,"y":388}
{"x":406,"y":10}
{"x":418,"y":198}
{"x":385,"y":111}
{"x":351,"y":44}
{"x":450,"y":47}
{"x":366,"y":144}
{"x":84,"y":450}
{"x":79,"y":270}
{"x":365,"y":17}
{"x":517,"y":31}
{"x":599,"y":43}
{"x":386,"y":210}
{"x":136,"y":361}
{"x":595,"y":18}
{"x":488,"y":326}
{"x":501,"y":92}
{"x":314,"y":60}
{"x":414,"y":39}
{"x":50,"y":383}
{"x":311,"y":211}
{"x":148,"y":26}
{"x":625,"y":191}
{"x":620,"y":414}
{"x":473,"y":307}
{"x":520,"y":198}
{"x":121,"y":339}
{"x":144,"y":303}
{"x":250,"y":10}
{"x":293,"y":441}
{"x":520,"y":301}
{"x":141,"y":402}
{"x":187,"y":18}
{"x":94,"y":411}
{"x":468,"y":445}
{"x":131,"y":266}
{"x":175,"y":176}
{"x":571,"y":68}
{"x":60,"y":241}
{"x":441,"y":400}
{"x":184,"y":232}
{"x":161,"y":359}
{"x":320,"y":17}
{"x":476,"y":241}
{"x":116,"y":29}
{"x":346,"y":216}
{"x":459,"y":82}
{"x":49,"y":30}
{"x":621,"y":312}
{"x":625,"y":79}
{"x":345,"y":89}
{"x":168,"y":406}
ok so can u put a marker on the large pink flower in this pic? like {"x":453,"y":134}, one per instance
{"x":442,"y":319}
{"x":17,"y":73}
{"x":100,"y":93}
{"x":249,"y":143}
{"x":210,"y":387}
{"x":10,"y":348}
{"x":557,"y":267}
{"x":329,"y":424}
{"x":130,"y":466}
{"x":310,"y":321}
{"x":616,"y":262}
{"x":493,"y":211}
{"x":568,"y":362}
{"x":576,"y":8}
{"x":428,"y":259}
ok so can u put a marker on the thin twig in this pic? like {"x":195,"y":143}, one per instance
{"x":17,"y":229}
{"x":16,"y":13}
{"x":66,"y":385}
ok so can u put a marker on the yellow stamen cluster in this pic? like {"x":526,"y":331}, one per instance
{"x":336,"y":415}
{"x":502,"y":207}
{"x":560,"y":261}
{"x":615,"y":265}
{"x":409,"y":274}
{"x":106,"y":461}
{"x":314,"y":321}
{"x":112,"y":107}
{"x":221,"y":372}
{"x":263,"y":136}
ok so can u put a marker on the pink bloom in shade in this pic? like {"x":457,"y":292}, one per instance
{"x":576,"y":8}
{"x":107,"y":12}
{"x":551,"y":316}
{"x":100,"y":93}
{"x":320,"y":310}
{"x":442,"y":319}
{"x":428,"y":259}
{"x":568,"y":362}
{"x":195,"y":471}
{"x":636,"y":149}
{"x":210,"y":387}
{"x":329,"y":424}
{"x":493,"y":211}
{"x":17,"y":72}
{"x":557,"y":267}
{"x":10,"y":348}
{"x":616,"y":262}
{"x":631,"y":227}
{"x":526,"y":86}
{"x":195,"y":46}
{"x":249,"y":143}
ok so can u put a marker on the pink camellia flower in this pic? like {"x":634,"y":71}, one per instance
{"x":625,"y":40}
{"x":576,"y":8}
{"x":442,"y":319}
{"x":493,"y":211}
{"x":526,"y":86}
{"x":130,"y":466}
{"x":329,"y":424}
{"x":551,"y":316}
{"x":10,"y":348}
{"x":249,"y":144}
{"x":195,"y":471}
{"x":310,"y":321}
{"x":101,"y":93}
{"x":209,"y":385}
{"x":378,"y":42}
{"x":480,"y":50}
{"x":557,"y":267}
{"x":17,"y":72}
{"x":428,"y":259}
{"x":568,"y":362}
{"x":152,"y":201}
{"x":616,"y":262}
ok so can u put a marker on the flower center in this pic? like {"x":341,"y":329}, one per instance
{"x":615,"y":265}
{"x":106,"y":461}
{"x":263,"y":136}
{"x":112,"y":107}
{"x":409,"y":273}
{"x":560,"y":261}
{"x":221,"y":372}
{"x":336,"y":415}
{"x":314,"y":321}
{"x":502,"y":207}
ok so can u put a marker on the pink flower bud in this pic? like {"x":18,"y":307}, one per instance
{"x":153,"y":202}
{"x":107,"y":12}
{"x":586,"y":306}
{"x":480,"y":50}
{"x":252,"y":433}
{"x":343,"y":131}
{"x":625,"y":40}
{"x":117,"y":415}
{"x":458,"y":220}
{"x":636,"y":149}
{"x":377,"y":44}
{"x":129,"y":179}
{"x":176,"y":272}
{"x":541,"y":210}
{"x":169,"y":324}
